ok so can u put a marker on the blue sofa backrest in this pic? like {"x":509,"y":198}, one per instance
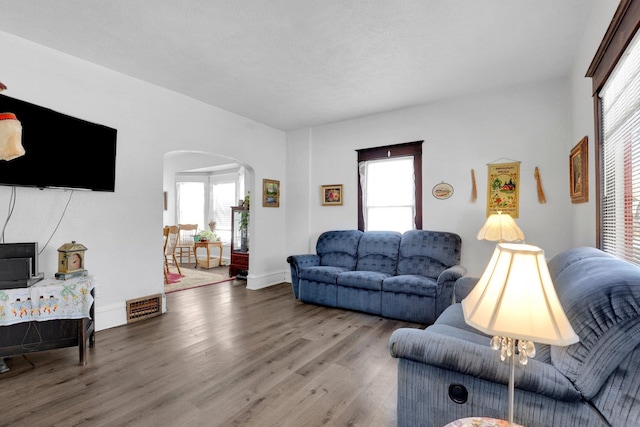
{"x":601,"y":297}
{"x":339,"y":248}
{"x":428,"y":253}
{"x":378,"y":251}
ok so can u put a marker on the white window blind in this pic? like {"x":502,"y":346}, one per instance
{"x":388,"y":190}
{"x":223,"y":196}
{"x":620,"y":100}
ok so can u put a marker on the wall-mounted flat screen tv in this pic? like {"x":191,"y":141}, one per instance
{"x":61,"y":151}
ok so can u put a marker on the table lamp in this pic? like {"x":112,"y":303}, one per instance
{"x":500,"y":227}
{"x":515,"y":301}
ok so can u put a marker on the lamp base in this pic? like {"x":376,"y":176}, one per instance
{"x":507,"y":347}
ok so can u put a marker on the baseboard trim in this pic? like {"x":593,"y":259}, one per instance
{"x":255,"y":282}
{"x":111,"y":316}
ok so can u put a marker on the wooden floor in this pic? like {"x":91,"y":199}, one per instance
{"x":220,"y":356}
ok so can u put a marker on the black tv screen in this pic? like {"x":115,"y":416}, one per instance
{"x":61,"y":151}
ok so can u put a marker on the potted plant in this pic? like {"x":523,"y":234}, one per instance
{"x":244,"y":224}
{"x":207,"y":236}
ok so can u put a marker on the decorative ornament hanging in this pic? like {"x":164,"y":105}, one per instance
{"x":10,"y":135}
{"x":474,"y":189}
{"x":541,"y":198}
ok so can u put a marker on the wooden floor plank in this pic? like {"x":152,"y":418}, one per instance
{"x":221,"y":356}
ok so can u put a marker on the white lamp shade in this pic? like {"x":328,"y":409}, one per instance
{"x":515,"y":298}
{"x":500,"y":227}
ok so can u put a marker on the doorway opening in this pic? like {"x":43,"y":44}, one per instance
{"x":201,"y":188}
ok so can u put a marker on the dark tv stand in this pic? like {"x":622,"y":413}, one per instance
{"x":33,"y":336}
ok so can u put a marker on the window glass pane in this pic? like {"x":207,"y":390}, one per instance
{"x":224,"y":195}
{"x":389,"y":199}
{"x":191,"y":203}
{"x":390,"y":218}
{"x":390,"y":182}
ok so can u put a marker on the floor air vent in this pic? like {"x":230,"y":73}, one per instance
{"x":144,"y":308}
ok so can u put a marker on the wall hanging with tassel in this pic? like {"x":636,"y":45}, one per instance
{"x":541,"y":197}
{"x":474,"y":190}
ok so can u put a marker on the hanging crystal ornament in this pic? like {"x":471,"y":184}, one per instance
{"x":525,"y":349}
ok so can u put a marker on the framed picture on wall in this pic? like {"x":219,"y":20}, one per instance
{"x":270,"y":193}
{"x":331,"y":195}
{"x":579,"y":172}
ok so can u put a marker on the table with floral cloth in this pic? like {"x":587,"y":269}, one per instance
{"x":48,"y":299}
{"x":49,"y":314}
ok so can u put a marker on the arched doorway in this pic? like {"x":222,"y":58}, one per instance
{"x":221,"y":182}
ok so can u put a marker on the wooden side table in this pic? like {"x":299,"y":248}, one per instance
{"x":207,"y":245}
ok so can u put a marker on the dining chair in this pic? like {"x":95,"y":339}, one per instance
{"x":171,"y":236}
{"x":185,"y":243}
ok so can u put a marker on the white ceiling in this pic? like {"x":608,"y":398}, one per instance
{"x":291,"y":64}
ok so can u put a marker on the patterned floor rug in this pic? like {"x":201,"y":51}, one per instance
{"x":192,"y":278}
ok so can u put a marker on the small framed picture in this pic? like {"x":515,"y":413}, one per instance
{"x":270,"y":193}
{"x":442,"y":191}
{"x":579,"y":172}
{"x":331,"y":195}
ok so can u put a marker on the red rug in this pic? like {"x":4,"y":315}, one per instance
{"x":174,"y":277}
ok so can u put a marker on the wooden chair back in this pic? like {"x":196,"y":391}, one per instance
{"x":185,"y":243}
{"x":171,"y":235}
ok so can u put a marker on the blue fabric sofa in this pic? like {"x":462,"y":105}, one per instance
{"x":447,"y":371}
{"x":407,"y":276}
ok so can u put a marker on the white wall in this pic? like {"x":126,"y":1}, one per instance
{"x":528,"y":124}
{"x":537,"y":125}
{"x":298,"y":195}
{"x":582,"y":123}
{"x":122,"y":229}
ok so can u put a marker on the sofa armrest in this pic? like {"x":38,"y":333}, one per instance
{"x":446,"y":282}
{"x":296,"y":262}
{"x":445,"y":350}
{"x":463,"y":286}
{"x":452,"y":274}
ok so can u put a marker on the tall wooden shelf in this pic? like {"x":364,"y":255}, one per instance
{"x":239,"y":265}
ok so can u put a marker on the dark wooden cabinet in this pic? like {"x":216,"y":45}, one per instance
{"x":239,"y":265}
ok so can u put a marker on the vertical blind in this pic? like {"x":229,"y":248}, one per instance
{"x":620,"y":100}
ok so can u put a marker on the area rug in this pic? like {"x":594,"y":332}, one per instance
{"x":191,"y":278}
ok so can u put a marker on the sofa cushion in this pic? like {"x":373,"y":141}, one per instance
{"x":602,"y":302}
{"x":339,"y":248}
{"x":371,"y":280}
{"x":378,"y":251}
{"x":412,"y":284}
{"x":428,"y":253}
{"x":321,"y":273}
